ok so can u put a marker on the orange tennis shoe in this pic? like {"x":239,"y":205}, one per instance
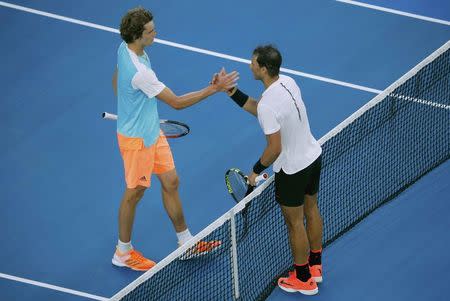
{"x":292,"y":284}
{"x":133,"y":260}
{"x":316,"y":273}
{"x":201,"y":248}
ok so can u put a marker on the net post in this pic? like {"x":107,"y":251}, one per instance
{"x":234,"y":263}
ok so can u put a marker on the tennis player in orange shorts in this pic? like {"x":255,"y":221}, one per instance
{"x":144,"y":150}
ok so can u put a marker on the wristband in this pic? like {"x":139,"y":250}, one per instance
{"x":258,"y":167}
{"x":239,"y":97}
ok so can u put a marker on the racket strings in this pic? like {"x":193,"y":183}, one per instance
{"x":171,"y":129}
{"x":238,"y":185}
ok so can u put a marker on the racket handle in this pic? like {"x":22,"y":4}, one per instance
{"x":109,"y":116}
{"x":262,"y":177}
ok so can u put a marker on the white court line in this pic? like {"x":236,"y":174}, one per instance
{"x":394,"y":11}
{"x":190,"y":48}
{"x":53,"y":287}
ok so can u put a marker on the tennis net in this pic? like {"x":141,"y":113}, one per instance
{"x":368,"y":159}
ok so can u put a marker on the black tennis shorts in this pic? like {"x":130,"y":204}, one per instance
{"x":290,"y":190}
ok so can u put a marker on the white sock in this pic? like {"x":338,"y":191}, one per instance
{"x":124,"y":247}
{"x":183,"y":237}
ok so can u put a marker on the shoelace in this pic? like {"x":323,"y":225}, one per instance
{"x":137,"y":256}
{"x":205,"y":246}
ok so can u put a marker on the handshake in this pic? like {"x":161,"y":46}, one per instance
{"x":224,"y":82}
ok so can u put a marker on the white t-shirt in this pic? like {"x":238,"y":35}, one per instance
{"x":281,"y":108}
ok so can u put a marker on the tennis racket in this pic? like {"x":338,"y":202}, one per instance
{"x":170,"y":128}
{"x":239,"y":188}
{"x":237,"y":183}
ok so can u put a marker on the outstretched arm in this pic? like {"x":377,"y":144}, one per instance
{"x":248,"y":103}
{"x":224,"y":82}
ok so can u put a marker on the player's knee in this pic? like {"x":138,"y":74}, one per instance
{"x":172,"y":183}
{"x":140,"y":192}
{"x":136,"y":194}
{"x":294,"y":224}
{"x":311,"y":211}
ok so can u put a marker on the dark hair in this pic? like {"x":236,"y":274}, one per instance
{"x":132,"y":24}
{"x":268,"y":56}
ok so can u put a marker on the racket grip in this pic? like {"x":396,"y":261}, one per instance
{"x":262,"y":177}
{"x":109,"y":116}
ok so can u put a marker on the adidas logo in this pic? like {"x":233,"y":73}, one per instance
{"x":286,"y":283}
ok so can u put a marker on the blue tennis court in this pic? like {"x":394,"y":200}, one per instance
{"x":62,"y":174}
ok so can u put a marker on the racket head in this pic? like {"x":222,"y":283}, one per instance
{"x":237,"y":185}
{"x":173,"y":129}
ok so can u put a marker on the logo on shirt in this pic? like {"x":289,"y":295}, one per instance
{"x":295,"y":103}
{"x":143,"y":178}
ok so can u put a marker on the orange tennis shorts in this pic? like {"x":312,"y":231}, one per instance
{"x":141,"y":162}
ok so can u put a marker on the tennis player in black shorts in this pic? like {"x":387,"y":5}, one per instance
{"x":296,"y":158}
